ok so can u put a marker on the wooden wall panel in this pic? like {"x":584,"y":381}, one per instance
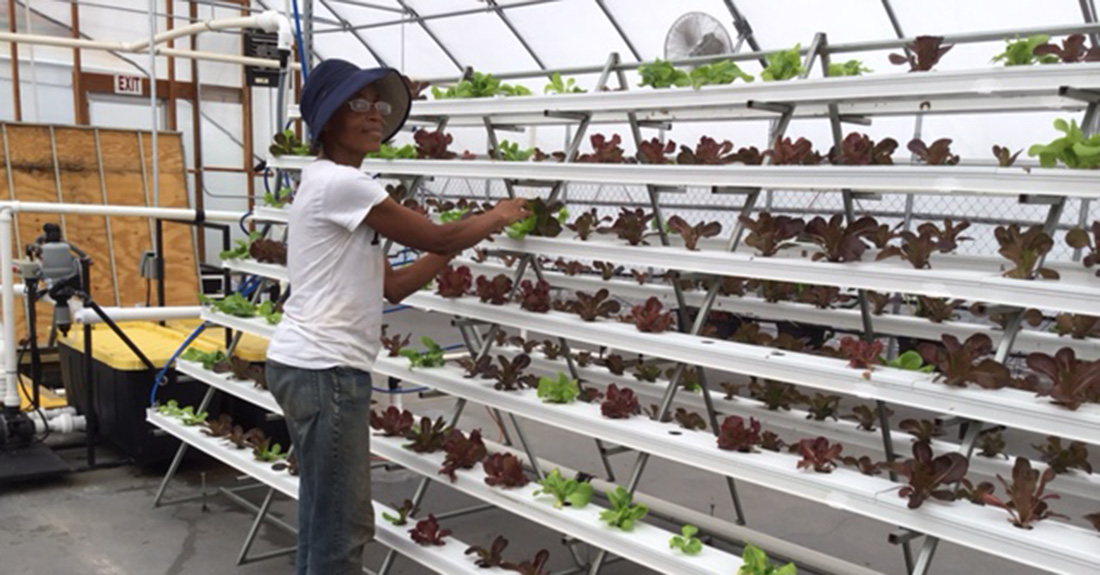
{"x":33,"y":180}
{"x":80,"y":184}
{"x":122,"y":174}
{"x":181,"y":267}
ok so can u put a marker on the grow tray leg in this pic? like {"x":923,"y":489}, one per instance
{"x":180,"y":452}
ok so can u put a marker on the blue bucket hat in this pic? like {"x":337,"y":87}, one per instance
{"x":333,"y":82}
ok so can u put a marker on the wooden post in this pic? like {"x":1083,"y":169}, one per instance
{"x":246,"y":128}
{"x":80,"y":100}
{"x":16,"y":97}
{"x":196,"y":134}
{"x":170,"y":20}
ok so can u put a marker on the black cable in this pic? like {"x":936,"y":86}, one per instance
{"x":23,"y":386}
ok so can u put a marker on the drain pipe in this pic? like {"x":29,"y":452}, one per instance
{"x":7,"y":307}
{"x":58,"y":423}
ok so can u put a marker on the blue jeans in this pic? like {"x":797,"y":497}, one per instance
{"x":328,"y":414}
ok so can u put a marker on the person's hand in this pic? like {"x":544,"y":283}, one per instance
{"x":510,"y":211}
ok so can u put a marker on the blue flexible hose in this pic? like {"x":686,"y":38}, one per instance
{"x":301,"y":46}
{"x":171,"y":360}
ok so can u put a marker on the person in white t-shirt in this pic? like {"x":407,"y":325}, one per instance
{"x":320,"y":357}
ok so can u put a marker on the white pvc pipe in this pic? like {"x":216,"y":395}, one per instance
{"x":181,"y":214}
{"x":88,"y":316}
{"x":7,"y":306}
{"x":270,"y":21}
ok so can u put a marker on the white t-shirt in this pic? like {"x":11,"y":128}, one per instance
{"x":334,"y":313}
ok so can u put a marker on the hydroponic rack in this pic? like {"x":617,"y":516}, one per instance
{"x":1050,"y":546}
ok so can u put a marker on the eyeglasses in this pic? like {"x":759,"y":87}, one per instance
{"x":363,"y":106}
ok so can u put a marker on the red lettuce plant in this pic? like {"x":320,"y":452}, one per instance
{"x":454,"y":282}
{"x":707,"y":152}
{"x":866,"y":416}
{"x":937,"y":309}
{"x":631,"y":225}
{"x":392,"y":422}
{"x":859,"y":150}
{"x":693,"y":233}
{"x":769,"y":234}
{"x":735,"y":435}
{"x":462,"y":452}
{"x":536,"y":566}
{"x":960,"y":363}
{"x":494,"y":291}
{"x":592,"y":306}
{"x":1027,"y":502}
{"x":838,"y":242}
{"x":863,"y":464}
{"x":648,"y":317}
{"x":534,"y":297}
{"x":818,"y":454}
{"x":393,"y":344}
{"x":475,"y":367}
{"x":619,"y":403}
{"x":799,"y":153}
{"x":1071,"y":51}
{"x":1073,"y":382}
{"x":614,"y":363}
{"x":604,"y":151}
{"x":427,"y":533}
{"x":917,"y":248}
{"x":1004,"y":155}
{"x":1079,"y":239}
{"x":772,"y":442}
{"x":491,"y":557}
{"x":936,"y":154}
{"x":504,"y":470}
{"x":749,"y":156}
{"x":607,"y":270}
{"x":823,"y":406}
{"x":928,"y":476}
{"x":689,"y":419}
{"x":991,"y":443}
{"x":433,"y":145}
{"x":1026,"y":250}
{"x":776,"y":395}
{"x":923,"y":430}
{"x":571,"y":267}
{"x":655,"y":152}
{"x":268,"y":251}
{"x":924,"y":53}
{"x":822,"y":297}
{"x":1062,"y":459}
{"x":1094,"y":518}
{"x":1077,"y":326}
{"x":427,"y":437}
{"x":587,"y":223}
{"x":861,"y":354}
{"x":640,"y":276}
{"x":509,"y":373}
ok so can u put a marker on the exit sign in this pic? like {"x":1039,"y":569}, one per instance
{"x":128,"y":85}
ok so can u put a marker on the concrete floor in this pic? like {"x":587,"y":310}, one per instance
{"x":103,"y":522}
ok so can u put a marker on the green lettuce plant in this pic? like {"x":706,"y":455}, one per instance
{"x":1073,"y":150}
{"x":724,"y":72}
{"x":388,"y":152}
{"x":662,"y":74}
{"x":511,"y":152}
{"x":565,"y":491}
{"x":624,"y":513}
{"x":558,"y":85}
{"x":686,"y":541}
{"x":558,"y":390}
{"x":480,"y":85}
{"x":1022,"y":52}
{"x":755,"y":562}
{"x":430,"y":357}
{"x":783,"y":65}
{"x":849,"y":68}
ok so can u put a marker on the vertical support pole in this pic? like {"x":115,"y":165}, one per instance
{"x":92,"y":416}
{"x":13,"y":47}
{"x":196,"y":133}
{"x":246,"y":110}
{"x":80,"y":104}
{"x":7,"y":306}
{"x":255,"y":528}
{"x":154,"y":152}
{"x":170,"y":22}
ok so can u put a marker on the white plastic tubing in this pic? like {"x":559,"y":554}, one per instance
{"x":270,"y":21}
{"x":7,"y":283}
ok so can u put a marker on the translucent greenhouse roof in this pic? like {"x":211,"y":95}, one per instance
{"x":420,"y":38}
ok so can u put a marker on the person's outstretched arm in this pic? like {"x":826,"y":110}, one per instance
{"x":413,"y":230}
{"x":406,"y":280}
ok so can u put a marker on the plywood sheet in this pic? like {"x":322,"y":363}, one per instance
{"x":124,"y":182}
{"x":33,"y":180}
{"x":181,"y":269}
{"x":80,"y":184}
